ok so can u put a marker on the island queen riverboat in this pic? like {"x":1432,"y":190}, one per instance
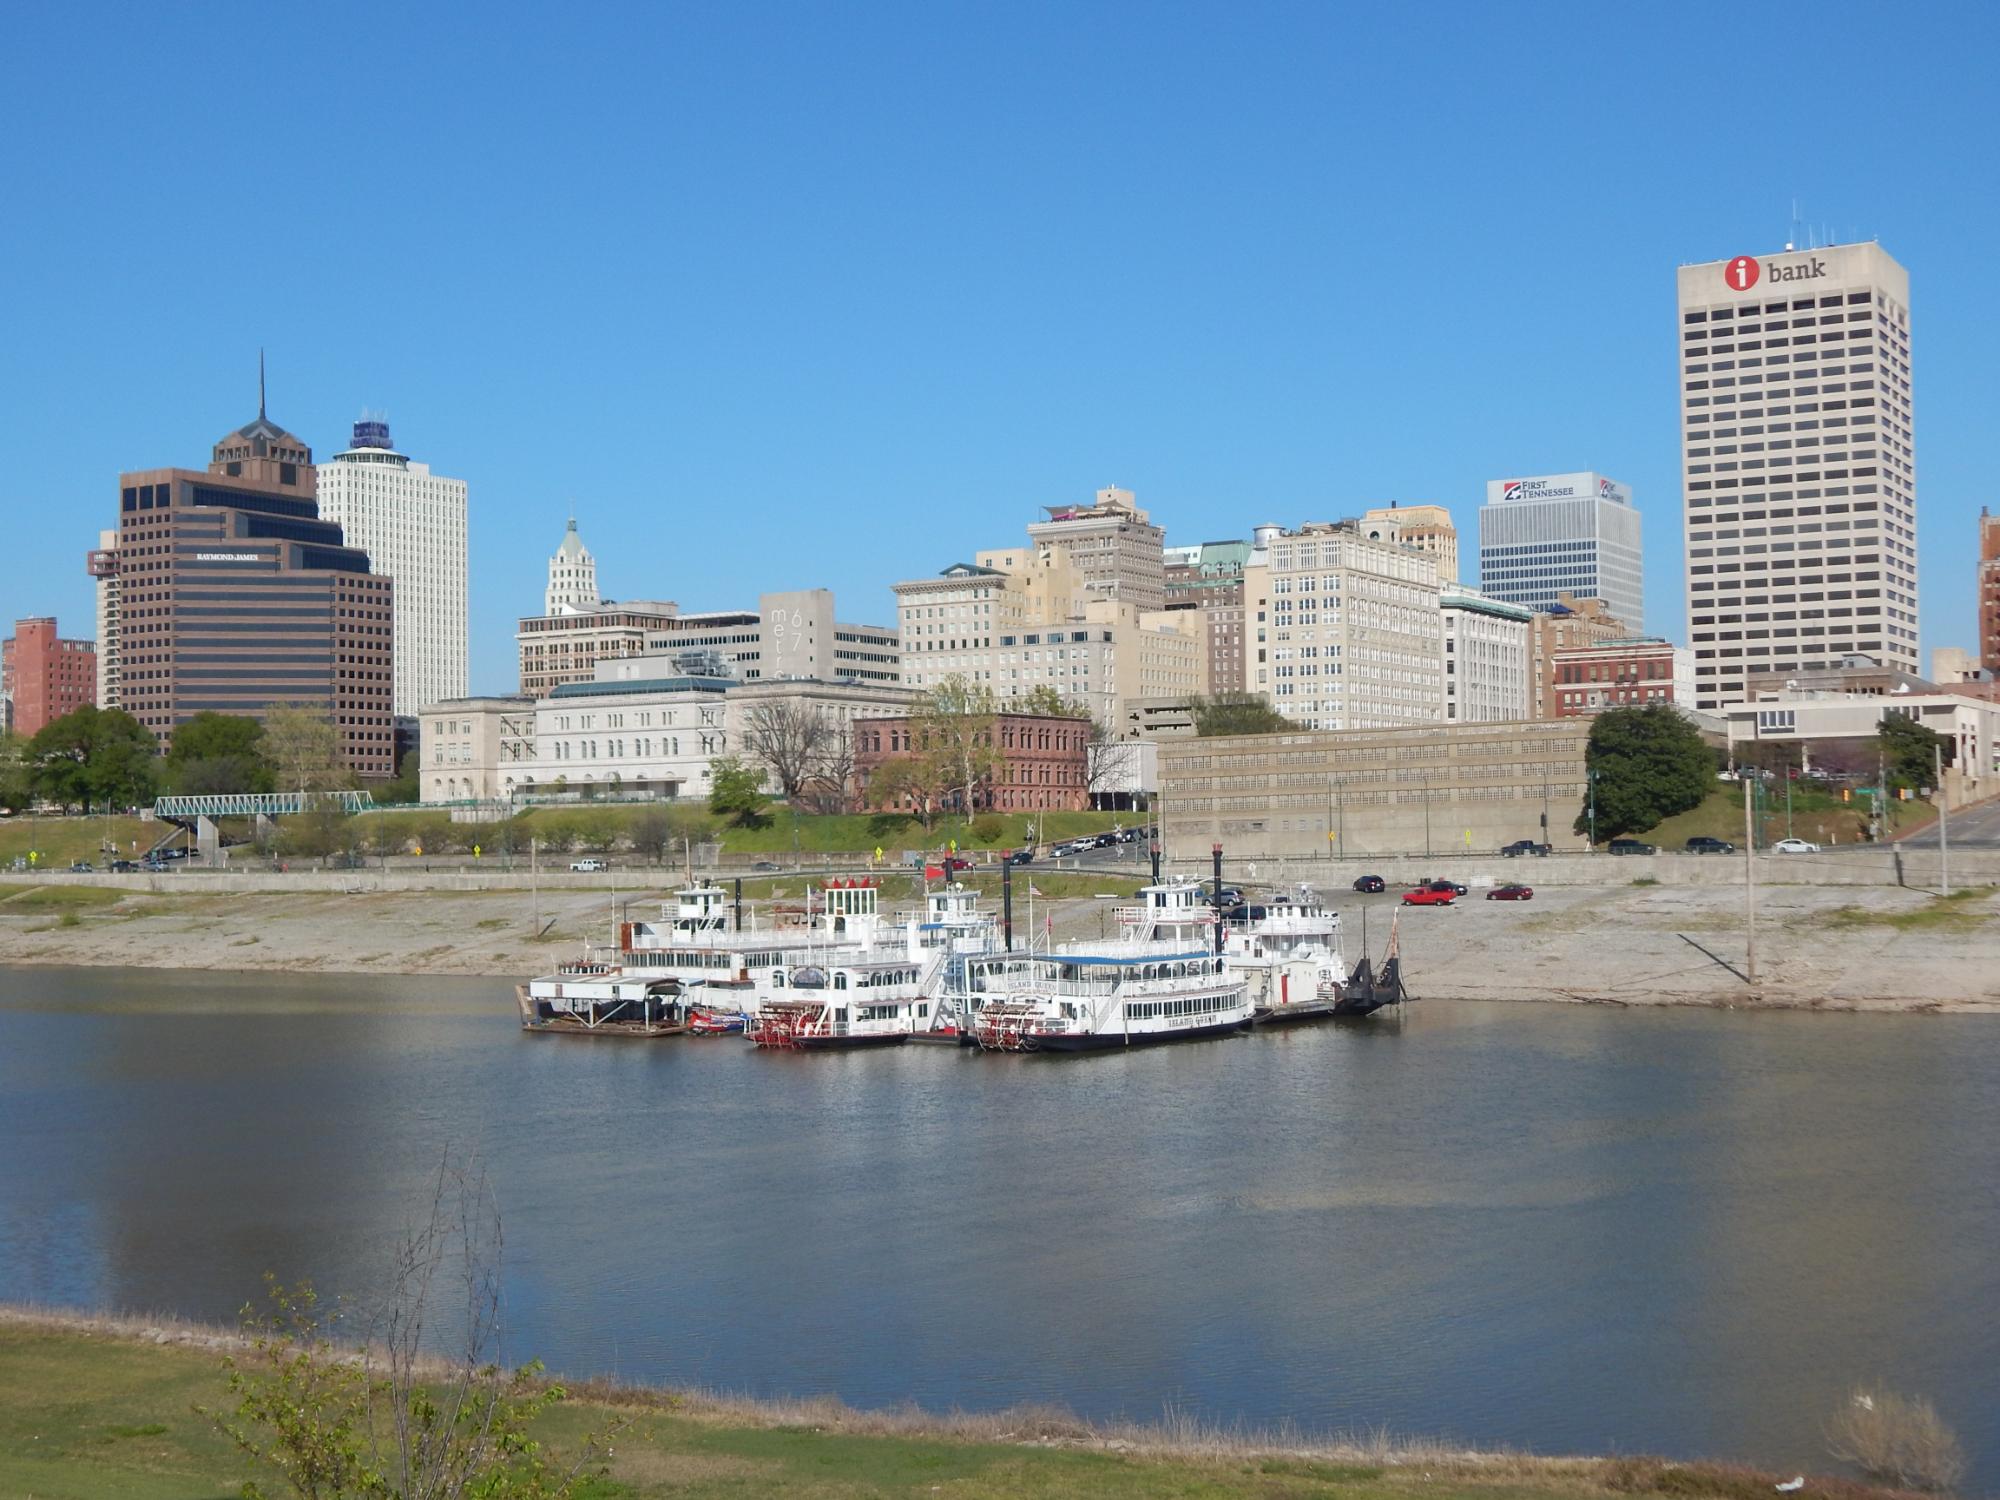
{"x":854,"y":986}
{"x":1159,"y":981}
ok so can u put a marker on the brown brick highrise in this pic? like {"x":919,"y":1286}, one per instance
{"x":45,"y":675}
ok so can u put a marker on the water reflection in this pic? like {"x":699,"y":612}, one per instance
{"x":1563,"y":1228}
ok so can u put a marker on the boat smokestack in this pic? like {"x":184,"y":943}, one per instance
{"x":739,"y":903}
{"x":1215,"y":852}
{"x":1007,"y":903}
{"x":1156,"y":861}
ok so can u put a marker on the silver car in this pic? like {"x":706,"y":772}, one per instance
{"x":1794,"y":846}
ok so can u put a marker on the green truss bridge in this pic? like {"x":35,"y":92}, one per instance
{"x":252,"y":804}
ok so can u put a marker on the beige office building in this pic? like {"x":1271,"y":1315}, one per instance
{"x":1485,"y":657}
{"x":1798,"y":464}
{"x":1440,"y":790}
{"x":1427,"y":528}
{"x":1118,"y":552}
{"x":475,"y":750}
{"x":1342,"y":631}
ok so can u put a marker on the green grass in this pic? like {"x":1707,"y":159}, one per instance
{"x":1816,"y":816}
{"x":90,"y":1415}
{"x":847,"y":833}
{"x":19,"y":900}
{"x":1961,"y":911}
{"x":60,"y":841}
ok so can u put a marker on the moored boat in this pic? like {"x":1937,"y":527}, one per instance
{"x":1159,"y":981}
{"x":596,"y":997}
{"x":1289,"y":958}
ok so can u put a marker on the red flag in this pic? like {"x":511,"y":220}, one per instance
{"x":932,"y":872}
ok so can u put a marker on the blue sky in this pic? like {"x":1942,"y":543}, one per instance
{"x":784,"y":296}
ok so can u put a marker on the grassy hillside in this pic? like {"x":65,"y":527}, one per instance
{"x":1816,"y":815}
{"x":86,"y":1415}
{"x":61,"y":840}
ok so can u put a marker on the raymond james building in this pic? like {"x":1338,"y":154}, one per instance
{"x":1559,"y":534}
{"x":235,"y":596}
{"x":1797,"y":464}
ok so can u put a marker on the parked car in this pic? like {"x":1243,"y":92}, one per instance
{"x":1632,"y":846}
{"x":124,"y":867}
{"x":1794,"y":846}
{"x":1104,"y":841}
{"x":765,"y":864}
{"x":589,"y":866}
{"x":154,"y":865}
{"x":1425,"y":895}
{"x":1511,"y":893}
{"x":1021,"y":857}
{"x":953,"y":863}
{"x":1225,"y":898}
{"x":1703,"y":844}
{"x":1525,"y":846}
{"x":1444,"y":885}
{"x":1370,"y":883}
{"x":81,"y":867}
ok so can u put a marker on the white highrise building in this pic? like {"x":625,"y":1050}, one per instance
{"x":1797,"y":465}
{"x":1557,"y":534}
{"x":1342,"y":631}
{"x":104,"y":568}
{"x":572,"y":577}
{"x":411,"y":523}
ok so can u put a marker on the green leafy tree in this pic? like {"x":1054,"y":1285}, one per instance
{"x":1909,"y":752}
{"x":1649,"y":763}
{"x":301,"y":745}
{"x":17,"y":788}
{"x":93,"y":757}
{"x":1236,"y":713}
{"x":651,"y":833}
{"x":217,"y":754}
{"x":1044,"y":699}
{"x":736,"y":792}
{"x":952,"y":731}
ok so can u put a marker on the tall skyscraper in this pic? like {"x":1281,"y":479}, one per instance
{"x":103,"y":566}
{"x":1798,"y":465}
{"x":1557,"y":534}
{"x":411,"y":523}
{"x":572,"y":577}
{"x":235,"y":596}
{"x":1116,"y":549}
{"x":1989,"y":590}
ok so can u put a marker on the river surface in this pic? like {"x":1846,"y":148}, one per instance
{"x":1562,"y":1228}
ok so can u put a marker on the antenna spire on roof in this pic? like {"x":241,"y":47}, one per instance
{"x":260,"y":386}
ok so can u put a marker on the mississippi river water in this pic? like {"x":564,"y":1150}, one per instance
{"x":1562,"y":1228}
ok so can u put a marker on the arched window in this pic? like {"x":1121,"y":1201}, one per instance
{"x":840,"y":981}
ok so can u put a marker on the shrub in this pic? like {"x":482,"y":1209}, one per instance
{"x":987,"y":829}
{"x":1899,"y":1440}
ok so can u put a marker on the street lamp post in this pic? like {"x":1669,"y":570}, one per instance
{"x":1591,"y":777}
{"x":1427,"y":815}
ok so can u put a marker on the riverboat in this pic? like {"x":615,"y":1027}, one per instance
{"x":855,"y":987}
{"x":1159,"y":981}
{"x":1289,"y":958}
{"x":1368,"y":989}
{"x":595,"y":996}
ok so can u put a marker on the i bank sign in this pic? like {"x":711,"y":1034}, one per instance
{"x":1746,"y":271}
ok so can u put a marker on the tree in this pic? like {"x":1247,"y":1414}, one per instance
{"x":1649,"y":763}
{"x":92,"y":756}
{"x":831,"y":789}
{"x":652,"y":833}
{"x":736,"y":792}
{"x":952,"y":727}
{"x":420,"y":1408}
{"x":217,"y":754}
{"x":1044,"y":699}
{"x":911,"y":780}
{"x":789,"y":738}
{"x":1112,"y":765}
{"x":16,"y":773}
{"x":302,"y":747}
{"x":1236,"y":713}
{"x":1909,"y":751}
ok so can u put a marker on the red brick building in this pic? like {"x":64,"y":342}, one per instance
{"x":1620,"y":674}
{"x":44,"y":675}
{"x":1044,"y":762}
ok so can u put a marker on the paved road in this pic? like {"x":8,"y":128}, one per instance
{"x":1977,"y":828}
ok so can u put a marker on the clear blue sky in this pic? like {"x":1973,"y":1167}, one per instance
{"x":781,"y":296}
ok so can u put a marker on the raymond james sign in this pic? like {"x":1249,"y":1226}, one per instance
{"x":230,"y":557}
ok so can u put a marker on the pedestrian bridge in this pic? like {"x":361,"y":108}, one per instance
{"x":253,"y":804}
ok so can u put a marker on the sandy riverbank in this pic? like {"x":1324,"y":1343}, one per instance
{"x":1818,"y":947}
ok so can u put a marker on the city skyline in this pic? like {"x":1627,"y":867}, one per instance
{"x":917,"y":358}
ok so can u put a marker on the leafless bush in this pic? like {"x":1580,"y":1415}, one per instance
{"x":1900,"y":1440}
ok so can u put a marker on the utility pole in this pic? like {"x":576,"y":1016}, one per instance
{"x":1749,"y":881}
{"x":1591,"y":778}
{"x":1944,"y":832}
{"x":535,"y":881}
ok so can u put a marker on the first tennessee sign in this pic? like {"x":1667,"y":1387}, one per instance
{"x":1746,"y":271}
